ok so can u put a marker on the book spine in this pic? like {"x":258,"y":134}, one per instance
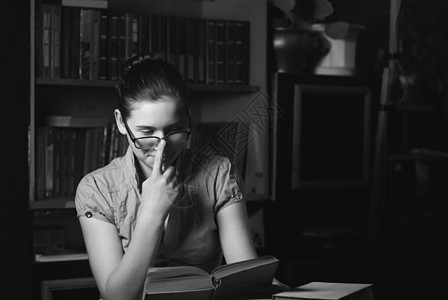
{"x":210,"y":55}
{"x":40,"y":160}
{"x":104,"y":46}
{"x":38,"y":38}
{"x":87,"y":151}
{"x":71,"y":160}
{"x":55,"y":60}
{"x":143,"y":36}
{"x":103,"y":153}
{"x":133,"y":32}
{"x":242,"y":52}
{"x":230,"y":65}
{"x":66,"y":40}
{"x":63,"y":153}
{"x":85,"y":43}
{"x":75,"y":42}
{"x":122,"y":42}
{"x":172,"y":41}
{"x":191,"y":51}
{"x":95,"y":24}
{"x":46,"y":40}
{"x":202,"y":53}
{"x":49,"y":147}
{"x":159,"y":36}
{"x":113,"y":46}
{"x":79,"y":157}
{"x":221,"y":52}
{"x":182,"y":46}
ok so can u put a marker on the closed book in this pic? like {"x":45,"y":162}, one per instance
{"x":172,"y":39}
{"x":201,"y":57}
{"x":66,"y":42}
{"x":103,"y":67}
{"x":95,"y":24}
{"x":85,"y":50}
{"x":191,"y":50}
{"x":210,"y":51}
{"x":86,"y":3}
{"x":230,"y":52}
{"x":46,"y":29}
{"x":75,"y":34}
{"x":143,"y":32}
{"x":158,"y":30}
{"x":122,"y":42}
{"x":113,"y":46}
{"x":71,"y":160}
{"x":55,"y":62}
{"x":58,"y":152}
{"x":221,"y":52}
{"x":182,"y":46}
{"x":328,"y":291}
{"x":133,"y":32}
{"x":40,"y":161}
{"x":49,"y":171}
{"x":241,"y":51}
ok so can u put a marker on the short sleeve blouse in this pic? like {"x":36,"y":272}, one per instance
{"x":112,"y":194}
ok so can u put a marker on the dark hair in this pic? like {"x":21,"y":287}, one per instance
{"x":148,"y":77}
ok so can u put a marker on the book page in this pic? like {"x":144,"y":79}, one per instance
{"x":177,"y":279}
{"x":232,"y":279}
{"x":228,"y":269}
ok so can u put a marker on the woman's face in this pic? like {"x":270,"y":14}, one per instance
{"x":159,"y":119}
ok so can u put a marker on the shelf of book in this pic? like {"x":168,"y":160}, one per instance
{"x":93,"y":43}
{"x":194,"y":87}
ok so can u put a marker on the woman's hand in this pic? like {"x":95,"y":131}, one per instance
{"x":160,"y":190}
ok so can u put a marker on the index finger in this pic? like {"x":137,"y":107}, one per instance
{"x":159,"y":157}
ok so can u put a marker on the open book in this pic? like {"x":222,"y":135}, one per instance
{"x":224,"y":282}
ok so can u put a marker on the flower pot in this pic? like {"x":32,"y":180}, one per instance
{"x":298,"y":49}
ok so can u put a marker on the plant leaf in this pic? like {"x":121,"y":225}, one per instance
{"x":323,"y":9}
{"x":284,"y":5}
{"x":337,"y":30}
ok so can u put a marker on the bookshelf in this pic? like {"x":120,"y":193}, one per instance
{"x":83,"y":48}
{"x":63,"y":91}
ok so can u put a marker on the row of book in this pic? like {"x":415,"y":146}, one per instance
{"x":64,"y":154}
{"x":93,"y":44}
{"x":69,"y":147}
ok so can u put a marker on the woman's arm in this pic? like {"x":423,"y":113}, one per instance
{"x":235,"y":234}
{"x":122,"y":275}
{"x":237,"y":244}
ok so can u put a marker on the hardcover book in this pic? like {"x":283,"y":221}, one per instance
{"x":328,"y":291}
{"x":224,"y":282}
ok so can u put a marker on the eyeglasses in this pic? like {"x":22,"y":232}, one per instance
{"x":148,"y":142}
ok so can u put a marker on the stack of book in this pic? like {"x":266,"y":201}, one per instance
{"x":77,"y":41}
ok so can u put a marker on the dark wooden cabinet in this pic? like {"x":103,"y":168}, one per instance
{"x":323,"y":139}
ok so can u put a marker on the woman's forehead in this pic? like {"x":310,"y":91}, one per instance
{"x":164,"y":110}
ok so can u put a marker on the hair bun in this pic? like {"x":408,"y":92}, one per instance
{"x":139,"y":58}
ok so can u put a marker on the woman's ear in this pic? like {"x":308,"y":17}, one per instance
{"x":120,"y":122}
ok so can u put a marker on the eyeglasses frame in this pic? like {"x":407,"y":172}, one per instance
{"x":134,"y":139}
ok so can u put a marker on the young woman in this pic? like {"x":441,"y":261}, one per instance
{"x":159,"y":205}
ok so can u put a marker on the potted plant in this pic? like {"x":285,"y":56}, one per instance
{"x":302,"y":31}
